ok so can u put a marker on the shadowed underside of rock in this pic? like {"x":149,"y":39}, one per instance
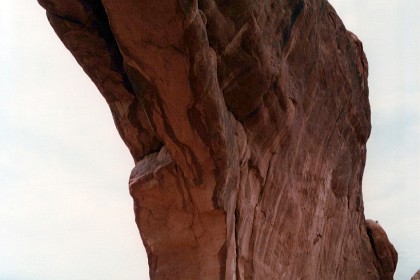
{"x":248,"y":122}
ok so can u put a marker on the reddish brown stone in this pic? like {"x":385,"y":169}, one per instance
{"x":383,"y":249}
{"x":248,"y":123}
{"x":416,"y":275}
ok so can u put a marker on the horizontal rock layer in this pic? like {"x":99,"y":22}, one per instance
{"x":248,"y":122}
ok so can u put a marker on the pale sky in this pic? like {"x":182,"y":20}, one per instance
{"x":65,"y":210}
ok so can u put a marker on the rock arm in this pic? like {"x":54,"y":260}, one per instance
{"x":247,"y":121}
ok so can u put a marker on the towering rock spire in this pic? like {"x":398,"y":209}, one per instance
{"x":247,"y":121}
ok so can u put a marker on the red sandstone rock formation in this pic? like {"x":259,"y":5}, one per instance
{"x":248,"y":122}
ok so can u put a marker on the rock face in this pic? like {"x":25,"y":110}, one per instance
{"x":247,"y":121}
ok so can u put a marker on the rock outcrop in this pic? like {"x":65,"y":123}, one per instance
{"x":416,"y":276}
{"x":247,"y":121}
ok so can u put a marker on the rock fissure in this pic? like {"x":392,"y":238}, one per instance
{"x":237,"y":246}
{"x":372,"y":243}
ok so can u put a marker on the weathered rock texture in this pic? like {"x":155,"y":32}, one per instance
{"x":247,"y":121}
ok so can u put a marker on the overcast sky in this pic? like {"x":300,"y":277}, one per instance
{"x":390,"y":32}
{"x":65,"y":210}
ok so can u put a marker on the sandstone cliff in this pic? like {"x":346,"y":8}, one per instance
{"x":247,"y":121}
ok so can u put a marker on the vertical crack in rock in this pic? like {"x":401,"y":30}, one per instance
{"x":386,"y":256}
{"x":247,"y":122}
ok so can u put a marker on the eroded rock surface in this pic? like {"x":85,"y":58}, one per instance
{"x":248,"y":122}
